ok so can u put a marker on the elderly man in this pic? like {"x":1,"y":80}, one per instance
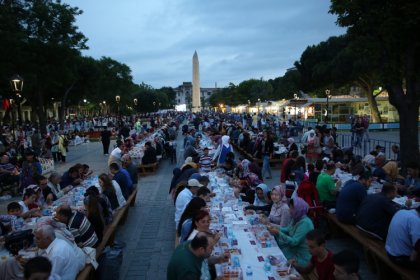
{"x":128,"y":165}
{"x":185,"y":197}
{"x":66,"y":262}
{"x":79,"y":225}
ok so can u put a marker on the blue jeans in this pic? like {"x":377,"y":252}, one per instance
{"x":266,"y":165}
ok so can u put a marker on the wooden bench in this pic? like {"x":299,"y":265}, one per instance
{"x":119,"y":218}
{"x":146,"y":169}
{"x":374,"y":251}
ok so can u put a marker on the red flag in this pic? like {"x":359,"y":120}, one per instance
{"x":6,"y":104}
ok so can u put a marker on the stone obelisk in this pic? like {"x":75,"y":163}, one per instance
{"x":196,"y":100}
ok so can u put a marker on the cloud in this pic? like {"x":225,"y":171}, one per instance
{"x":235,"y":40}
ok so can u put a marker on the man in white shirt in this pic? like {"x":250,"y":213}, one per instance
{"x":66,"y":262}
{"x":185,"y":197}
{"x":116,"y":154}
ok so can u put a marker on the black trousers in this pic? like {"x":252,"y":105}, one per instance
{"x":106,"y":147}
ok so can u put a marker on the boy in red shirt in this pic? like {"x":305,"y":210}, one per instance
{"x":321,"y":257}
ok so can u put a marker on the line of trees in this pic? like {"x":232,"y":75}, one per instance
{"x":41,"y":43}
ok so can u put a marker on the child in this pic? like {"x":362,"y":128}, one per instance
{"x":322,"y":258}
{"x":205,"y":161}
{"x":14,"y":211}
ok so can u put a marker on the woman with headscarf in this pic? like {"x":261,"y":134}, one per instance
{"x":291,"y":145}
{"x":222,"y":150}
{"x":292,"y":239}
{"x":279,"y":213}
{"x":262,"y":200}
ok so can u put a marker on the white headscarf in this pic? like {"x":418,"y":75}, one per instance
{"x":225,"y":141}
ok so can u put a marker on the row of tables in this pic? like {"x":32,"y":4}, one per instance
{"x":252,"y":248}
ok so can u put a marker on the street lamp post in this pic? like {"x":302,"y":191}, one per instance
{"x":154,"y":106}
{"x":135,"y":101}
{"x":118,"y":99}
{"x":16,"y":85}
{"x":328,"y":95}
{"x":258,"y":108}
{"x":295,"y":98}
{"x":249,"y":106}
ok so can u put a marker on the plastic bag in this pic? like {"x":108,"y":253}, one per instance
{"x":110,"y":261}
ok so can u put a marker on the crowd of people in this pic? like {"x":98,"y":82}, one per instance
{"x":66,"y":236}
{"x":310,"y":185}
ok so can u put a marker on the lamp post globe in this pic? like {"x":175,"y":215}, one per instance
{"x":16,"y":86}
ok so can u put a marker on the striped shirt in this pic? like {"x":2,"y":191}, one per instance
{"x":205,"y":163}
{"x":82,"y":230}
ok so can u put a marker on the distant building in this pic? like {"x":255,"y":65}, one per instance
{"x":184,"y":94}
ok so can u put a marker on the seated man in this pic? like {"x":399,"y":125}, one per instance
{"x":346,"y":265}
{"x":321,"y":257}
{"x":351,"y":196}
{"x":185,"y":197}
{"x":128,"y":165}
{"x":71,"y":177}
{"x":79,"y":225}
{"x":187,"y":259}
{"x":327,"y":188}
{"x":403,"y":238}
{"x":149,"y":154}
{"x":123,"y":179}
{"x":412,"y":181}
{"x":8,"y":172}
{"x":376,"y":211}
{"x":379,"y":171}
{"x":66,"y":262}
{"x":38,"y":268}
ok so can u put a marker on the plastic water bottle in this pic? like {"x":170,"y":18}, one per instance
{"x":249,"y":272}
{"x":236,"y":262}
{"x":267,"y":267}
{"x":240,"y":201}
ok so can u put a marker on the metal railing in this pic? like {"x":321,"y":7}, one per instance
{"x":365,"y":146}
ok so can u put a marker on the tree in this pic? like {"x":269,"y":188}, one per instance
{"x":287,"y":85}
{"x":338,"y":62}
{"x":45,"y":42}
{"x":391,"y":27}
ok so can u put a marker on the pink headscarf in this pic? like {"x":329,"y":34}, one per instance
{"x":245,"y":166}
{"x":300,"y":209}
{"x":281,"y":189}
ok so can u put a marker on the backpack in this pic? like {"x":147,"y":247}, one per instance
{"x":66,"y":142}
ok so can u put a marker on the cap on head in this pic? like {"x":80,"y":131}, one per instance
{"x":194,"y":183}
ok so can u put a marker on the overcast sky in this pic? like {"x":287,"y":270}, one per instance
{"x":235,"y":39}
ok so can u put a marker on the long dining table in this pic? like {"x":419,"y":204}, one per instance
{"x":252,"y":248}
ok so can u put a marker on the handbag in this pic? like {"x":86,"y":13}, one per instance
{"x":18,"y":240}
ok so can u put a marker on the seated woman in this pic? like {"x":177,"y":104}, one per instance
{"x":292,"y":239}
{"x":262,"y":201}
{"x":104,"y":203}
{"x":279,"y":213}
{"x":94,"y":215}
{"x":201,"y":222}
{"x":185,"y":228}
{"x":108,"y":188}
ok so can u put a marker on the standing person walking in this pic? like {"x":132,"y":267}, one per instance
{"x":267,"y":149}
{"x":62,"y":147}
{"x":106,"y":139}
